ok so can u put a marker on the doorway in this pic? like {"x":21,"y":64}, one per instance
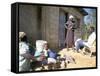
{"x":63,"y":17}
{"x":66,"y":19}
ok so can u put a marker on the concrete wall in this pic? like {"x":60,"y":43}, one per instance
{"x":44,"y":23}
{"x":62,"y":21}
{"x":50,"y":22}
{"x":29,"y":22}
{"x":73,"y":11}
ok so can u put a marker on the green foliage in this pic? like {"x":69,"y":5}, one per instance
{"x":86,"y":31}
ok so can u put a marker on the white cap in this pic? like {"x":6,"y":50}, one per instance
{"x":71,"y":16}
{"x":22,"y":34}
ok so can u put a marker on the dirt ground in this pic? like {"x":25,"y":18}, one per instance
{"x":82,"y":61}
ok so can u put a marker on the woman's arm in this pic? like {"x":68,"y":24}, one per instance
{"x":33,"y":58}
{"x":65,"y":26}
{"x":28,"y":56}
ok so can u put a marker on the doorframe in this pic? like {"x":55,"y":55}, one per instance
{"x":62,"y":44}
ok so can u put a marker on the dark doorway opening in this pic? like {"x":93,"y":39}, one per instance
{"x":66,"y":19}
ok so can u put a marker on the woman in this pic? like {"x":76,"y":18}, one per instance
{"x":70,"y":24}
{"x":25,"y":53}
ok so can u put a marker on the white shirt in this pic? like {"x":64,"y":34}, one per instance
{"x":24,"y":64}
{"x":91,"y":39}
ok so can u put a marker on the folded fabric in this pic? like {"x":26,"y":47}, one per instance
{"x":51,"y":60}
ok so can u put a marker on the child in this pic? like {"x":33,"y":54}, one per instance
{"x":51,"y":55}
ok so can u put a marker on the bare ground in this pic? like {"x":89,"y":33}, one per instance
{"x":82,"y":61}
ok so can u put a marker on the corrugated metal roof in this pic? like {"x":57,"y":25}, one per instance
{"x":83,"y":11}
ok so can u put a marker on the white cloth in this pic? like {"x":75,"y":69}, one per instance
{"x":24,"y":64}
{"x":79,"y":42}
{"x":40,"y":47}
{"x":71,"y":16}
{"x":91,"y":39}
{"x":51,"y":60}
{"x":45,"y":52}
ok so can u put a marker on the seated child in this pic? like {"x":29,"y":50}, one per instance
{"x":51,"y":54}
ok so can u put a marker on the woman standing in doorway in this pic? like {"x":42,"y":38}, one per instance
{"x":69,"y":25}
